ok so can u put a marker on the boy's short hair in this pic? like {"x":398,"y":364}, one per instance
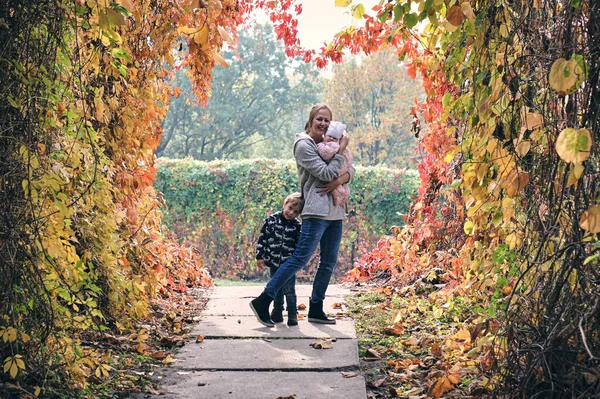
{"x":295,"y":198}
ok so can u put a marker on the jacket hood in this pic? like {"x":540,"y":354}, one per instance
{"x":302,"y":136}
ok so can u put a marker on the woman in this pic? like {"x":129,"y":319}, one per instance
{"x":322,"y":220}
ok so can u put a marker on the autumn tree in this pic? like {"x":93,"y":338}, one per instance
{"x":260,"y":99}
{"x":374,"y":97}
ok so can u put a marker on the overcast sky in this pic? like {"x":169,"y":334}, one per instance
{"x":321,"y":20}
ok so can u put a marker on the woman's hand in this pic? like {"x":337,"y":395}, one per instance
{"x":344,"y":141}
{"x":326,"y":188}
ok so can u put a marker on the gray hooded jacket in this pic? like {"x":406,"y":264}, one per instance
{"x":313,"y":172}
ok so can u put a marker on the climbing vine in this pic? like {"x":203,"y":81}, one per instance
{"x":507,"y":208}
{"x":512,"y":153}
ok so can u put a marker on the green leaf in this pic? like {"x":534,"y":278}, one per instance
{"x":410,"y":20}
{"x":446,"y":100}
{"x":398,"y":12}
{"x":13,"y":102}
{"x":121,"y":54}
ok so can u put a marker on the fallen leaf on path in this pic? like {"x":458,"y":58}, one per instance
{"x":169,"y":360}
{"x":322,"y":344}
{"x":302,"y":307}
{"x":337,"y":305}
{"x":200,"y":338}
{"x":150,"y":389}
{"x":348,"y":374}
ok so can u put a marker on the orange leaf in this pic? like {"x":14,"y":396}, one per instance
{"x":395,"y":329}
{"x":440,"y":387}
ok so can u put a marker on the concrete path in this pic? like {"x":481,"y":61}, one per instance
{"x":238,"y":358}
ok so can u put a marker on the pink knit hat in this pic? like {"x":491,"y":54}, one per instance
{"x":336,"y":129}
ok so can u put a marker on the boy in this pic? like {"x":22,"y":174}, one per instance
{"x":276,"y":243}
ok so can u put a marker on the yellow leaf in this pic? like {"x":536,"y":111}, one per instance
{"x":574,"y":145}
{"x":13,"y":369}
{"x":37,"y":392}
{"x":342,"y":3}
{"x":463,"y":335}
{"x":187,"y":30}
{"x":359,"y":11}
{"x":512,"y":240}
{"x":590,"y":220}
{"x":201,"y":37}
{"x":578,"y":170}
{"x":564,"y":75}
{"x":523,"y":148}
{"x":469,"y":228}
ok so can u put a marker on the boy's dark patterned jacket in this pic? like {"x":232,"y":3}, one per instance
{"x":277,"y":240}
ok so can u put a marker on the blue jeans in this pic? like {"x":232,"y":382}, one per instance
{"x":327,"y":233}
{"x":288,"y":290}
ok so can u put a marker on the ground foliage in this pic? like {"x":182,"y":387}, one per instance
{"x":219,"y":207}
{"x":409,"y":346}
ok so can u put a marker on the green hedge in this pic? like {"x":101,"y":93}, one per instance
{"x":219,"y":207}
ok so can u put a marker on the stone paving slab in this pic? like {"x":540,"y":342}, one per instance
{"x":303,"y":291}
{"x":247,"y":326}
{"x":260,"y":385}
{"x":259,"y":354}
{"x":241,"y":306}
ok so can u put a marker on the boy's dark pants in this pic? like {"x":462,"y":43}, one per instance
{"x":289,"y":290}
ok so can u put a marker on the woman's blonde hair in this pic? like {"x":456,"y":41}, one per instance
{"x":313,"y":112}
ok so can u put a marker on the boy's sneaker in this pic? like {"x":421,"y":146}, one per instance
{"x":277,"y":316}
{"x":260,"y":307}
{"x":292,"y":318}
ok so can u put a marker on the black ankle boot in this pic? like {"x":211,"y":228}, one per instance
{"x":292,"y":318}
{"x":260,"y":307}
{"x":316,"y":314}
{"x":277,"y":316}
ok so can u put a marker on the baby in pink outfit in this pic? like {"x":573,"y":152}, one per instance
{"x":327,"y":149}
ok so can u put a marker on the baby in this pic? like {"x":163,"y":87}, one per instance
{"x":327,"y":149}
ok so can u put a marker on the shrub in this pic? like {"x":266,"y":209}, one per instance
{"x":219,"y":207}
